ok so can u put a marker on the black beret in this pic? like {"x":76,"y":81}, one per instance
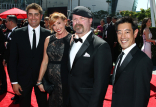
{"x":82,"y":11}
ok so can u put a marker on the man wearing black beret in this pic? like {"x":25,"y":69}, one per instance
{"x":90,"y":63}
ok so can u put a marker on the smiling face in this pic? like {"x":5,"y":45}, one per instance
{"x":59,"y":26}
{"x":126,"y":36}
{"x":34,"y":18}
{"x":81,"y":24}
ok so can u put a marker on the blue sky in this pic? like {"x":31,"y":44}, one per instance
{"x":142,"y":4}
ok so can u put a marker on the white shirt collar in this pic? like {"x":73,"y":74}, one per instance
{"x":13,"y":28}
{"x":84,"y":37}
{"x":30,"y":32}
{"x":126,"y":51}
{"x":31,"y":29}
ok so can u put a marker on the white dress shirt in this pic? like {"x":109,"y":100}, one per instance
{"x":126,"y":51}
{"x":11,"y":32}
{"x":76,"y":46}
{"x":30,"y":31}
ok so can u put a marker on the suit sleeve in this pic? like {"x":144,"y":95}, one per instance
{"x":142,"y":82}
{"x":102,"y":70}
{"x":13,"y":58}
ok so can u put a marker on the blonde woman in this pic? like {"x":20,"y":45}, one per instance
{"x":55,"y":59}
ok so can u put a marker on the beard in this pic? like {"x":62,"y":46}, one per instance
{"x":79,"y":28}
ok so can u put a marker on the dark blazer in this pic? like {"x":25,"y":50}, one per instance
{"x":24,"y":66}
{"x":89,"y":76}
{"x":2,"y":38}
{"x":111,"y":34}
{"x":132,"y":86}
{"x":7,"y":50}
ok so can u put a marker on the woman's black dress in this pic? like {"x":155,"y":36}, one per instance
{"x":57,"y":71}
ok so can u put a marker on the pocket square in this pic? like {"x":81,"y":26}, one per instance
{"x":86,"y":55}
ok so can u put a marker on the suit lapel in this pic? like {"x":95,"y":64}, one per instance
{"x":113,"y":76}
{"x":27,"y":40}
{"x":126,"y":61}
{"x":83,"y":48}
{"x":69,"y":67}
{"x":128,"y":58}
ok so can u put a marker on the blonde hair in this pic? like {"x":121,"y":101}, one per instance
{"x":53,"y":17}
{"x":46,"y":18}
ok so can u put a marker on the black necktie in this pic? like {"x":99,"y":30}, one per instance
{"x":34,"y":41}
{"x":79,"y":39}
{"x":119,"y":61}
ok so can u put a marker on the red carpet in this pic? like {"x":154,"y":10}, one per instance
{"x":5,"y":99}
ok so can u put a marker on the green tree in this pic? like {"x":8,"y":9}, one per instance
{"x":100,"y":14}
{"x":46,"y":13}
{"x":139,"y":15}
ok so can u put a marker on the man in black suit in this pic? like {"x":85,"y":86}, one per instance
{"x":26,"y":54}
{"x":133,"y":70}
{"x":110,"y":34}
{"x":2,"y":71}
{"x":90,"y":63}
{"x":1,"y":24}
{"x":11,"y":25}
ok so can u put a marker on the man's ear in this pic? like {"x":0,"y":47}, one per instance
{"x":136,"y":33}
{"x":90,"y":20}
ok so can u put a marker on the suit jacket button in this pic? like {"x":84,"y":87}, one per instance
{"x":71,"y":75}
{"x":113,"y":92}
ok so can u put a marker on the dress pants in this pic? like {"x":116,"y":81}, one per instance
{"x":25,"y":98}
{"x":2,"y":75}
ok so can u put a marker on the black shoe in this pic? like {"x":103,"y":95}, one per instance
{"x":16,"y":102}
{"x":3,"y":92}
{"x":15,"y":97}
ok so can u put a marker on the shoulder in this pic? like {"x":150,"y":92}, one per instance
{"x":22,"y":29}
{"x":141,"y":56}
{"x":47,"y":39}
{"x":97,"y":41}
{"x":19,"y":32}
{"x":146,"y":30}
{"x":45,"y":30}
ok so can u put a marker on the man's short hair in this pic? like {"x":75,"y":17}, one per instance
{"x":126,"y":19}
{"x":35,"y":7}
{"x":12,"y":18}
{"x":109,"y":17}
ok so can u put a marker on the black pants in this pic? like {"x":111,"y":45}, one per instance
{"x":2,"y":75}
{"x":25,"y":98}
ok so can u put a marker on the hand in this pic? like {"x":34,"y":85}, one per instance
{"x":154,"y":43}
{"x":16,"y":88}
{"x":5,"y":44}
{"x":41,"y":88}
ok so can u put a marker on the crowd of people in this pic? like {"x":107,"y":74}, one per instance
{"x":73,"y":62}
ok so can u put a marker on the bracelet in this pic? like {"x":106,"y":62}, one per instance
{"x":38,"y":83}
